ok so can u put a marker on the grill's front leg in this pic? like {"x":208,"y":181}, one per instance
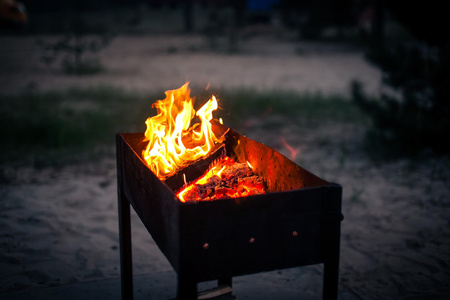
{"x":126,"y":268}
{"x":225,"y":281}
{"x":186,"y":289}
{"x":331,"y":264}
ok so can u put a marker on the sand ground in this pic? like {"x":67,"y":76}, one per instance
{"x":59,"y":231}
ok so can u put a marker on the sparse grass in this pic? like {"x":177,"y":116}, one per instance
{"x":51,"y":127}
{"x":48,"y":128}
{"x":356,"y":195}
{"x":88,"y":66}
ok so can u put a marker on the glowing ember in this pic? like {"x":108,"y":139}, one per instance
{"x":227,"y":179}
{"x":172,"y":141}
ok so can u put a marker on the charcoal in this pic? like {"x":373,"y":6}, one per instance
{"x":237,"y":170}
{"x":237,"y":179}
{"x":253,"y":180}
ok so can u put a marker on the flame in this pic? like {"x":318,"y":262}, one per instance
{"x":172,"y":142}
{"x":293,"y":152}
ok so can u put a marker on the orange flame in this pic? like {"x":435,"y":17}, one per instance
{"x":172,"y":142}
{"x":293,"y":152}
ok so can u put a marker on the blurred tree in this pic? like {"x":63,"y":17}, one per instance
{"x":415,"y":115}
{"x":81,"y":38}
{"x":377,"y":21}
{"x":225,"y":18}
{"x":312,"y":17}
{"x":188,"y":16}
{"x":238,"y":8}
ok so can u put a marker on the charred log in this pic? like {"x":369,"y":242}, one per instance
{"x":233,"y":180}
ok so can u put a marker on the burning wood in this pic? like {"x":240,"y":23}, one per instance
{"x":172,"y":141}
{"x":175,"y":147}
{"x":227,"y":179}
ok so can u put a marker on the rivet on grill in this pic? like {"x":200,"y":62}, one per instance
{"x":205,"y":246}
{"x":294,"y":233}
{"x":251,"y":240}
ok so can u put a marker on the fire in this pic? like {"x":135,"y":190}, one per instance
{"x":172,"y":141}
{"x":173,"y":144}
{"x":227,"y":179}
{"x":293,"y":152}
{"x":216,"y":170}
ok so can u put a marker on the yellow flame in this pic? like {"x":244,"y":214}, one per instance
{"x":172,"y":142}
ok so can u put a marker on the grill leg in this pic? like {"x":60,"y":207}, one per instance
{"x":331,"y":264}
{"x":186,"y":289}
{"x":126,"y":268}
{"x":225,"y":281}
{"x":330,"y":280}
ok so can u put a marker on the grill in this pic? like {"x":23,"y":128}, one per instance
{"x":296,"y":223}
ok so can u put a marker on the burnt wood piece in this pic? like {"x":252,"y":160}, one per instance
{"x":297,"y":222}
{"x":235,"y":179}
{"x":196,"y":169}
